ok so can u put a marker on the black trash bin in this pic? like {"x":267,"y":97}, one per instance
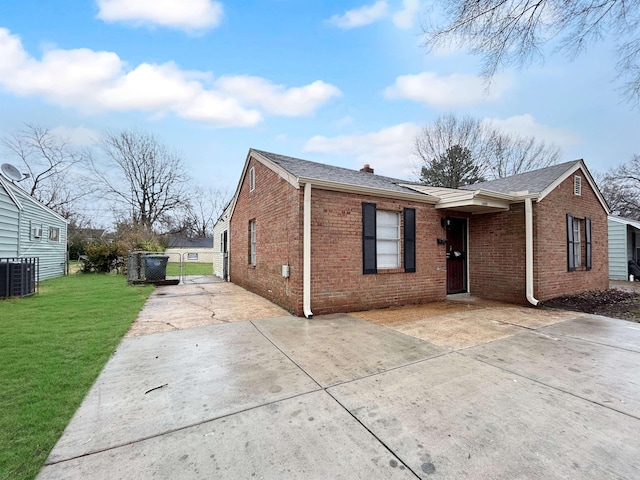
{"x":155,"y":267}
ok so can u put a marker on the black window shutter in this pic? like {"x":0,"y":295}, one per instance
{"x":571,"y":266}
{"x":409,"y":240}
{"x":369,"y":264}
{"x":587,"y":232}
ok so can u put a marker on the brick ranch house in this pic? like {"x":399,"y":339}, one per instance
{"x":319,"y":239}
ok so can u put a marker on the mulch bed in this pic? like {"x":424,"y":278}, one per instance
{"x":610,"y":303}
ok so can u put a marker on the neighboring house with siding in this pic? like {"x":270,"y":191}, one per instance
{"x":189,"y":249}
{"x":624,"y":245}
{"x":30,"y":229}
{"x":319,"y":239}
{"x":221,"y":244}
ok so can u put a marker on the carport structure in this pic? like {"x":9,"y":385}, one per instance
{"x":339,"y":397}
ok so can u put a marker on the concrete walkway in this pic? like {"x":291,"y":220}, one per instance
{"x":341,"y":397}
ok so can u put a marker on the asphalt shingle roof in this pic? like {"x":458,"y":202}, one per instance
{"x":320,"y":171}
{"x":535,"y":181}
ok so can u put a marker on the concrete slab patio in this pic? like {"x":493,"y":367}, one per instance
{"x":552,"y":396}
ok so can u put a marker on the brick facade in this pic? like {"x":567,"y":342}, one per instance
{"x":338,"y":284}
{"x":276,"y":207}
{"x":497,"y":247}
{"x":551,"y":274}
{"x":497,"y":255}
{"x":495,"y":250}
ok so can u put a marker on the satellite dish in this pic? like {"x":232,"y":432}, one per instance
{"x":11,"y":172}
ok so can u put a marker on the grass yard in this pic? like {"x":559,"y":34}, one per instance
{"x":190,"y":268}
{"x":52,"y":347}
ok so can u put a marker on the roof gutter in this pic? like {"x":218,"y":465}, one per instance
{"x":528,"y":219}
{"x":306,"y":253}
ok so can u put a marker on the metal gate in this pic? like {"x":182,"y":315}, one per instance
{"x":197,"y":267}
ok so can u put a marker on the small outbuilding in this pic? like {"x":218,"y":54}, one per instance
{"x":624,"y":246}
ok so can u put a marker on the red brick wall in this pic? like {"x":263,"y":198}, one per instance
{"x":497,"y":255}
{"x":497,"y":248}
{"x":338,"y":284}
{"x":276,"y":207}
{"x":550,"y":243}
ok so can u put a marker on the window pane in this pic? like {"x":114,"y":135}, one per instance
{"x":388,"y":239}
{"x":387,"y":261}
{"x":387,"y":247}
{"x":387,"y":232}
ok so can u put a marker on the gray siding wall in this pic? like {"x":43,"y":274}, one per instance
{"x":617,"y":250}
{"x":52,"y":253}
{"x":9,"y":218}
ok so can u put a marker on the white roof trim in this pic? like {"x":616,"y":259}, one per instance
{"x":267,"y":163}
{"x":625,"y":221}
{"x":14,"y":199}
{"x":579,"y":165}
{"x":475,"y":201}
{"x":28,"y":197}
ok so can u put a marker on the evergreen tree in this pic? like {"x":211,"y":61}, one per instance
{"x":453,"y":169}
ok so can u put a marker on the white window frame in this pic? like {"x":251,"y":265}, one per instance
{"x":388,"y":239}
{"x":252,"y":242}
{"x":252,"y":179}
{"x":577,"y":185}
{"x":52,"y":237}
{"x":577,"y":243}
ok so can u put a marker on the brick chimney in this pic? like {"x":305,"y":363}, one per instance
{"x":366,"y":168}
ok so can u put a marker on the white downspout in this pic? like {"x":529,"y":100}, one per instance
{"x":306,"y":253}
{"x":528,"y":220}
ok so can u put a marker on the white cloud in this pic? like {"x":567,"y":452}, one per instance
{"x":526,"y":125}
{"x":362,"y":16}
{"x":388,"y":151}
{"x":455,"y":90}
{"x":188,"y":15}
{"x":79,"y":136}
{"x":278,"y":99}
{"x":101,"y":81}
{"x":404,"y":18}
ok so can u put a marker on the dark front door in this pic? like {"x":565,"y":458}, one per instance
{"x":456,"y":255}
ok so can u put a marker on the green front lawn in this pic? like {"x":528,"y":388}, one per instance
{"x":52,"y":347}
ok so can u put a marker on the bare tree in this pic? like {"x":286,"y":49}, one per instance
{"x":146,"y":180}
{"x":449,"y":131}
{"x":514,"y":32}
{"x":494,"y":153}
{"x":512,"y":154}
{"x":197,"y":217}
{"x":621,"y":188}
{"x":53,"y":167}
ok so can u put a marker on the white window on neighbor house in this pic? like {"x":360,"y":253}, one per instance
{"x":252,"y":242}
{"x":387,"y":239}
{"x":54,"y":234}
{"x":252,"y":179}
{"x":577,"y":185}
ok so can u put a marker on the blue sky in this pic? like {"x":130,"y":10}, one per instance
{"x":344,"y":83}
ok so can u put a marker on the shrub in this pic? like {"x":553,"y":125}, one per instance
{"x":102,"y":256}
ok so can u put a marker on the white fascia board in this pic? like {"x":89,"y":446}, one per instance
{"x":373,"y":191}
{"x":7,"y":189}
{"x":37,"y":203}
{"x":625,"y":221}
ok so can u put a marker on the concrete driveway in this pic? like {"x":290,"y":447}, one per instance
{"x":341,"y":397}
